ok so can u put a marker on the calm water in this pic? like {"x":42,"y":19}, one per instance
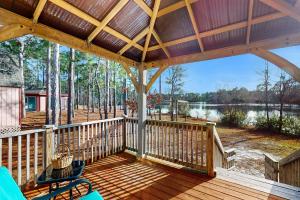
{"x":214,"y":112}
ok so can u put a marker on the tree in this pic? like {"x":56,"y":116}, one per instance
{"x":48,"y":84}
{"x":106,"y":93}
{"x":265,"y":88}
{"x":160,"y":97}
{"x":283,"y":90}
{"x":175,"y":82}
{"x":55,"y":86}
{"x":71,"y":88}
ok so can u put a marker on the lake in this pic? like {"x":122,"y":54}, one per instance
{"x":213,"y":112}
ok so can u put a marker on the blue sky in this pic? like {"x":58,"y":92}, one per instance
{"x":226,"y":73}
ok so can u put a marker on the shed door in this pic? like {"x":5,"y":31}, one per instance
{"x":9,"y":107}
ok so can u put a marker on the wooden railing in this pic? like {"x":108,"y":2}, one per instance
{"x":194,"y":145}
{"x":286,"y":170}
{"x":24,"y":152}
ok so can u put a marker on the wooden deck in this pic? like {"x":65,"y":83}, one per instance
{"x":123,"y":177}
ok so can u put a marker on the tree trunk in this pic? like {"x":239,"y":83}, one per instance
{"x":106,"y":99}
{"x":160,"y":97}
{"x":114,"y":95}
{"x":125,"y":96}
{"x":48,"y":85}
{"x":55,"y":86}
{"x":89,"y":95}
{"x":280,"y":116}
{"x":78,"y":90}
{"x":71,"y":88}
{"x":21,"y":64}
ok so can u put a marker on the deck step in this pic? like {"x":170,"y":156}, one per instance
{"x":261,"y":184}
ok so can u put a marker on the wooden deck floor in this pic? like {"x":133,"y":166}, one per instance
{"x":123,"y":177}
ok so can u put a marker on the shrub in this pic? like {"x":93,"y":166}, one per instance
{"x":290,"y":125}
{"x":233,"y":117}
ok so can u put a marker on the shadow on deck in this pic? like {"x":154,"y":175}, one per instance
{"x":123,"y":177}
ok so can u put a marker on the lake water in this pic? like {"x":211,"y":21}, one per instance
{"x":213,"y":112}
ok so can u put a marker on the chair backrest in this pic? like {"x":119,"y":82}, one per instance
{"x":8,"y":187}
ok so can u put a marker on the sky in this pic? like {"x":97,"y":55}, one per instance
{"x":227,"y":73}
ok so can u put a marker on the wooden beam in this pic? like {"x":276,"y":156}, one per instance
{"x":72,"y":9}
{"x":38,"y":10}
{"x":283,"y":7}
{"x":154,"y":77}
{"x":12,"y":31}
{"x":221,"y":30}
{"x":151,"y":27}
{"x":160,"y":43}
{"x":194,"y":23}
{"x":145,"y":7}
{"x":173,"y":7}
{"x":135,"y":40}
{"x":250,"y":13}
{"x":277,"y":42}
{"x":282,"y":63}
{"x":51,"y":34}
{"x":132,"y":77}
{"x":107,"y":19}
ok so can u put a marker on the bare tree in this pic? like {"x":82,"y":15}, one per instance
{"x":48,"y":84}
{"x":71,"y":89}
{"x":114,"y":91}
{"x":21,"y":65}
{"x":265,"y":87}
{"x":98,"y":87}
{"x":106,"y":88}
{"x":283,"y":90}
{"x":160,"y":96}
{"x":55,"y":86}
{"x":125,"y":94}
{"x":174,"y":80}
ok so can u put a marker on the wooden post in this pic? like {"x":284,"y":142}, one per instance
{"x":210,"y":149}
{"x":48,"y":144}
{"x":141,"y":110}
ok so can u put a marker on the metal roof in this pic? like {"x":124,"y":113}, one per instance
{"x":172,"y":23}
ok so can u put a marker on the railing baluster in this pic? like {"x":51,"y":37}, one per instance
{"x":27,"y":157}
{"x":10,"y":154}
{"x":192,"y":146}
{"x":178,"y":137}
{"x":201,"y":146}
{"x":96,"y":141}
{"x":88,"y":143}
{"x":169,"y":131}
{"x":35,"y":155}
{"x":19,"y":160}
{"x":92,"y":143}
{"x":74,"y":135}
{"x":197,"y":145}
{"x":83,"y":142}
{"x":173,"y":130}
{"x":78,"y":142}
{"x":63,"y":139}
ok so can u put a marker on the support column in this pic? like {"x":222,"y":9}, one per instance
{"x":48,"y":145}
{"x":141,"y":110}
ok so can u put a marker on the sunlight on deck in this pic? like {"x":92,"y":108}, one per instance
{"x":123,"y":177}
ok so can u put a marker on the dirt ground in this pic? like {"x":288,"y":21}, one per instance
{"x":250,"y":144}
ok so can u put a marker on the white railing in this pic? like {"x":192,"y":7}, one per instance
{"x":22,"y":153}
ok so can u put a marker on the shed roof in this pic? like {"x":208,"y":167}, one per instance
{"x":164,"y":32}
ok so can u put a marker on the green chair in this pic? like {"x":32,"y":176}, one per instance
{"x":9,"y":190}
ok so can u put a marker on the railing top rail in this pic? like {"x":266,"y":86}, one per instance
{"x":20,"y":133}
{"x":87,"y":123}
{"x":290,"y":158}
{"x":176,"y":122}
{"x":218,"y":140}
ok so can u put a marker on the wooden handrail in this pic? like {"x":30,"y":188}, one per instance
{"x":290,"y":158}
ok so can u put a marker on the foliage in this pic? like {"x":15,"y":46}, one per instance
{"x":233,"y":117}
{"x":290,"y":125}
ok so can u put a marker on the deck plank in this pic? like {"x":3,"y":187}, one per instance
{"x":123,"y":177}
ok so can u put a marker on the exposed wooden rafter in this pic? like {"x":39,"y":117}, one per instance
{"x":282,"y":63}
{"x":151,"y":27}
{"x":107,"y":19}
{"x":278,"y":42}
{"x":48,"y":33}
{"x":194,"y":23}
{"x":12,"y":31}
{"x":221,"y":30}
{"x":173,"y":7}
{"x":250,"y":13}
{"x":283,"y":7}
{"x":154,"y":77}
{"x":72,"y":9}
{"x":146,"y":9}
{"x":135,"y":40}
{"x":38,"y":10}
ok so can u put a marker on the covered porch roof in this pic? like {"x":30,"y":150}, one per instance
{"x":158,"y":33}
